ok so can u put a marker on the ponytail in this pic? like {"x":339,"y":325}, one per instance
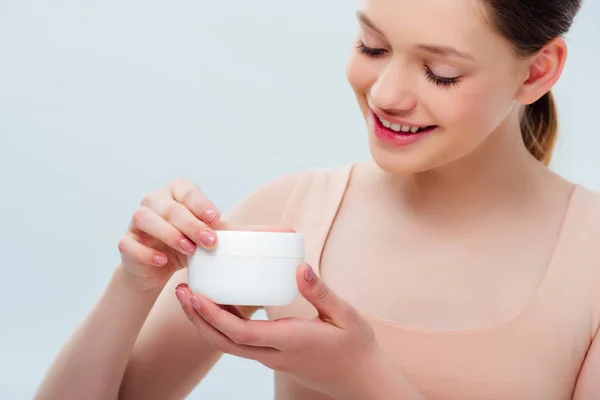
{"x":539,"y":127}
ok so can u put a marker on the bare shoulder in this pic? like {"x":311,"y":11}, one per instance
{"x":584,"y":242}
{"x":267,"y":204}
{"x":587,"y":202}
{"x":588,"y":235}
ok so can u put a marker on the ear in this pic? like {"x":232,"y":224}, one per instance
{"x":544,"y":69}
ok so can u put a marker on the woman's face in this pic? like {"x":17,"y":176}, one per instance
{"x":433,"y":64}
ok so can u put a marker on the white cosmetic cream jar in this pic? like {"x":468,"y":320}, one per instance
{"x":248,"y":268}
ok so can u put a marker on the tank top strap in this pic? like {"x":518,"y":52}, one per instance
{"x":575,"y":275}
{"x":313,"y":206}
{"x":587,"y":252}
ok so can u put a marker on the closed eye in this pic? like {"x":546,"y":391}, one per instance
{"x":369,"y":51}
{"x":441,"y":80}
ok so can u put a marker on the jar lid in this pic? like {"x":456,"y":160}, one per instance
{"x":256,"y":244}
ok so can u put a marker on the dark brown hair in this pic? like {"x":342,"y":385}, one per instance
{"x":530,"y":25}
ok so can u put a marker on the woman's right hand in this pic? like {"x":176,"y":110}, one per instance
{"x":164,"y":231}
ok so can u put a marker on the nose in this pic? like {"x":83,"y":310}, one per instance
{"x":391,"y":91}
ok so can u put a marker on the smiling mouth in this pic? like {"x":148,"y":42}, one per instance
{"x":404,"y":129}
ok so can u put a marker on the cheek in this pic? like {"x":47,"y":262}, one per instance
{"x":361,"y":75}
{"x":356,"y":72}
{"x":474,"y":110}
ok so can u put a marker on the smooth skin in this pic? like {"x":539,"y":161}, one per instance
{"x":471,"y":169}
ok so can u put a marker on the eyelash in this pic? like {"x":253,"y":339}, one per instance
{"x":435,"y":79}
{"x":369,"y":51}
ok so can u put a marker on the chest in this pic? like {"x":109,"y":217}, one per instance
{"x":410,"y":273}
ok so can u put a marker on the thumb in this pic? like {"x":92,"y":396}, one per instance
{"x":330,"y":307}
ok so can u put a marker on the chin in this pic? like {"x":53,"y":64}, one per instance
{"x":408,"y":160}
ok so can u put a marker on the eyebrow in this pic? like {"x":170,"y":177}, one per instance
{"x":444,"y":51}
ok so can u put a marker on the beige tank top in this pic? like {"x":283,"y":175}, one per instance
{"x":537,"y":355}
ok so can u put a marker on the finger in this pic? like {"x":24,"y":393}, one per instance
{"x":188,"y":194}
{"x":273,"y":334}
{"x":134,"y":250}
{"x":221,"y":342}
{"x":147,"y":221}
{"x":232,"y":309}
{"x":330,"y":307}
{"x":186,"y":222}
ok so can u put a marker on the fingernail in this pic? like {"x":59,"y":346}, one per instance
{"x":309,"y":274}
{"x":210,"y":216}
{"x":187,"y":246}
{"x":182,"y":297}
{"x":195,"y":302}
{"x":160,"y":259}
{"x":207,"y":238}
{"x":181,"y":286}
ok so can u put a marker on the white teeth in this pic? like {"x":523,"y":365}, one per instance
{"x":398,"y":127}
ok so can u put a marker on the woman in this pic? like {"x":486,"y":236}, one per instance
{"x":456,"y":265}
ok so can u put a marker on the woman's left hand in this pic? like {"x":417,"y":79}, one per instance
{"x":334,"y":353}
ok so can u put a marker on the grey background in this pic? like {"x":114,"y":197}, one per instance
{"x":103,"y":101}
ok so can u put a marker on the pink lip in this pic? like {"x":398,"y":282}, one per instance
{"x":394,"y":138}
